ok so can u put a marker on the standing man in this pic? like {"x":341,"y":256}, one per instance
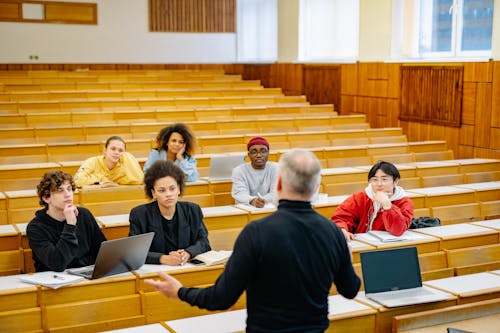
{"x":62,"y":235}
{"x":286,"y":262}
{"x":254,"y":183}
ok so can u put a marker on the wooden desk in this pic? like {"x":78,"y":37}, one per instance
{"x":445,"y":195}
{"x":328,"y":208}
{"x":114,"y":226}
{"x":22,"y":205}
{"x":494,"y":224}
{"x":477,"y":164}
{"x":19,"y":308}
{"x":434,"y":168}
{"x":114,"y":200}
{"x":29,"y":264}
{"x":229,"y":321}
{"x":460,"y":235}
{"x":357,"y":247}
{"x":469,"y":288}
{"x":384,"y":317}
{"x":256,"y":213}
{"x":10,"y":239}
{"x":482,"y":316}
{"x":424,"y":243}
{"x":224,"y":217}
{"x":486,"y":191}
{"x":3,"y":209}
{"x":151,"y":328}
{"x":349,"y":315}
{"x":93,"y":305}
{"x":15,"y":177}
{"x":224,"y":224}
{"x":157,"y":307}
{"x":342,"y":175}
{"x":405,"y":170}
{"x":11,"y":255}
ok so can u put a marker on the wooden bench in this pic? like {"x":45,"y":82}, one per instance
{"x":474,"y":259}
{"x":482,"y":316}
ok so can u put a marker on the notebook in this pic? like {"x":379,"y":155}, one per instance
{"x":392,"y":278}
{"x":221,"y":166}
{"x":117,"y":256}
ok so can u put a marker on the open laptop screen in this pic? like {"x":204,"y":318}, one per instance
{"x":393,"y":269}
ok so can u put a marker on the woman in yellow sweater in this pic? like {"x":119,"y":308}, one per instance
{"x":115,"y":167}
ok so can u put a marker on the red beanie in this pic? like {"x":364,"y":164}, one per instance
{"x":258,"y":140}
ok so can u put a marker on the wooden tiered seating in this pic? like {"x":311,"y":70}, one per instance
{"x":86,"y":107}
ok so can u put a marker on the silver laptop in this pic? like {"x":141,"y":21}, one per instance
{"x":117,"y":256}
{"x":221,"y":166}
{"x":392,"y":278}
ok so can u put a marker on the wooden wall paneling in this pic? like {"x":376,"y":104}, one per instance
{"x":348,"y":104}
{"x":495,"y":138}
{"x":257,"y":72}
{"x":71,"y":12}
{"x":392,"y":105}
{"x":10,"y":11}
{"x":349,"y":84}
{"x":363,"y":84}
{"x":393,"y":81}
{"x":469,"y":103}
{"x":466,"y":136}
{"x":322,"y":84}
{"x":288,"y":77}
{"x":464,"y":151}
{"x":478,"y":71}
{"x":192,"y":15}
{"x":486,"y":153}
{"x":495,"y":110}
{"x":483,"y":115}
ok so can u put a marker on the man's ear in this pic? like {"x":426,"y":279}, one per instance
{"x":46,"y":199}
{"x":279,"y":185}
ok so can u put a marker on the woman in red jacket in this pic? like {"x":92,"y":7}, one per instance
{"x":383,"y":205}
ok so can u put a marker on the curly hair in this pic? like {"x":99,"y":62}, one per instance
{"x":160,"y":169}
{"x":50,"y":182}
{"x":186,"y":133}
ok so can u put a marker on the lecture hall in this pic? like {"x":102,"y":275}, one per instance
{"x":355,"y":82}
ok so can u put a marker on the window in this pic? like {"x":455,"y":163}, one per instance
{"x":328,"y":30}
{"x":257,"y":31}
{"x":442,"y":28}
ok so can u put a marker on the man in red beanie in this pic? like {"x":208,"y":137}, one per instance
{"x":254,"y":183}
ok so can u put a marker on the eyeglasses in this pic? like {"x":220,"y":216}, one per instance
{"x":255,"y":152}
{"x":383,"y":181}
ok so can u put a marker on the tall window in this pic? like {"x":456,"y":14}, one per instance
{"x":442,"y":28}
{"x":328,"y":30}
{"x":257,"y":32}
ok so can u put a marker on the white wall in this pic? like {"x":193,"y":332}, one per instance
{"x":121,"y":36}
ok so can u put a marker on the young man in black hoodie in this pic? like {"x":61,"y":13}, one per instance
{"x":62,"y":235}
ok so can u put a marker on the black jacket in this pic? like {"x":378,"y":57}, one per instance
{"x":192,"y":235}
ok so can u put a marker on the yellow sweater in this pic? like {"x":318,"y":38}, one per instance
{"x":94,"y":170}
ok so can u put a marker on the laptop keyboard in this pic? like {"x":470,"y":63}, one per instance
{"x":406,"y":293}
{"x":86,"y":271}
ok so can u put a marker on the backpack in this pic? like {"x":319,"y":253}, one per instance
{"x":424,"y":222}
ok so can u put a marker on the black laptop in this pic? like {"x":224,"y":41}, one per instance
{"x":392,"y":278}
{"x":117,"y":256}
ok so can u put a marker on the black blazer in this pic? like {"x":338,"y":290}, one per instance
{"x":192,"y":237}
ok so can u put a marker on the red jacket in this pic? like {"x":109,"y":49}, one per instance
{"x":353,"y":215}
